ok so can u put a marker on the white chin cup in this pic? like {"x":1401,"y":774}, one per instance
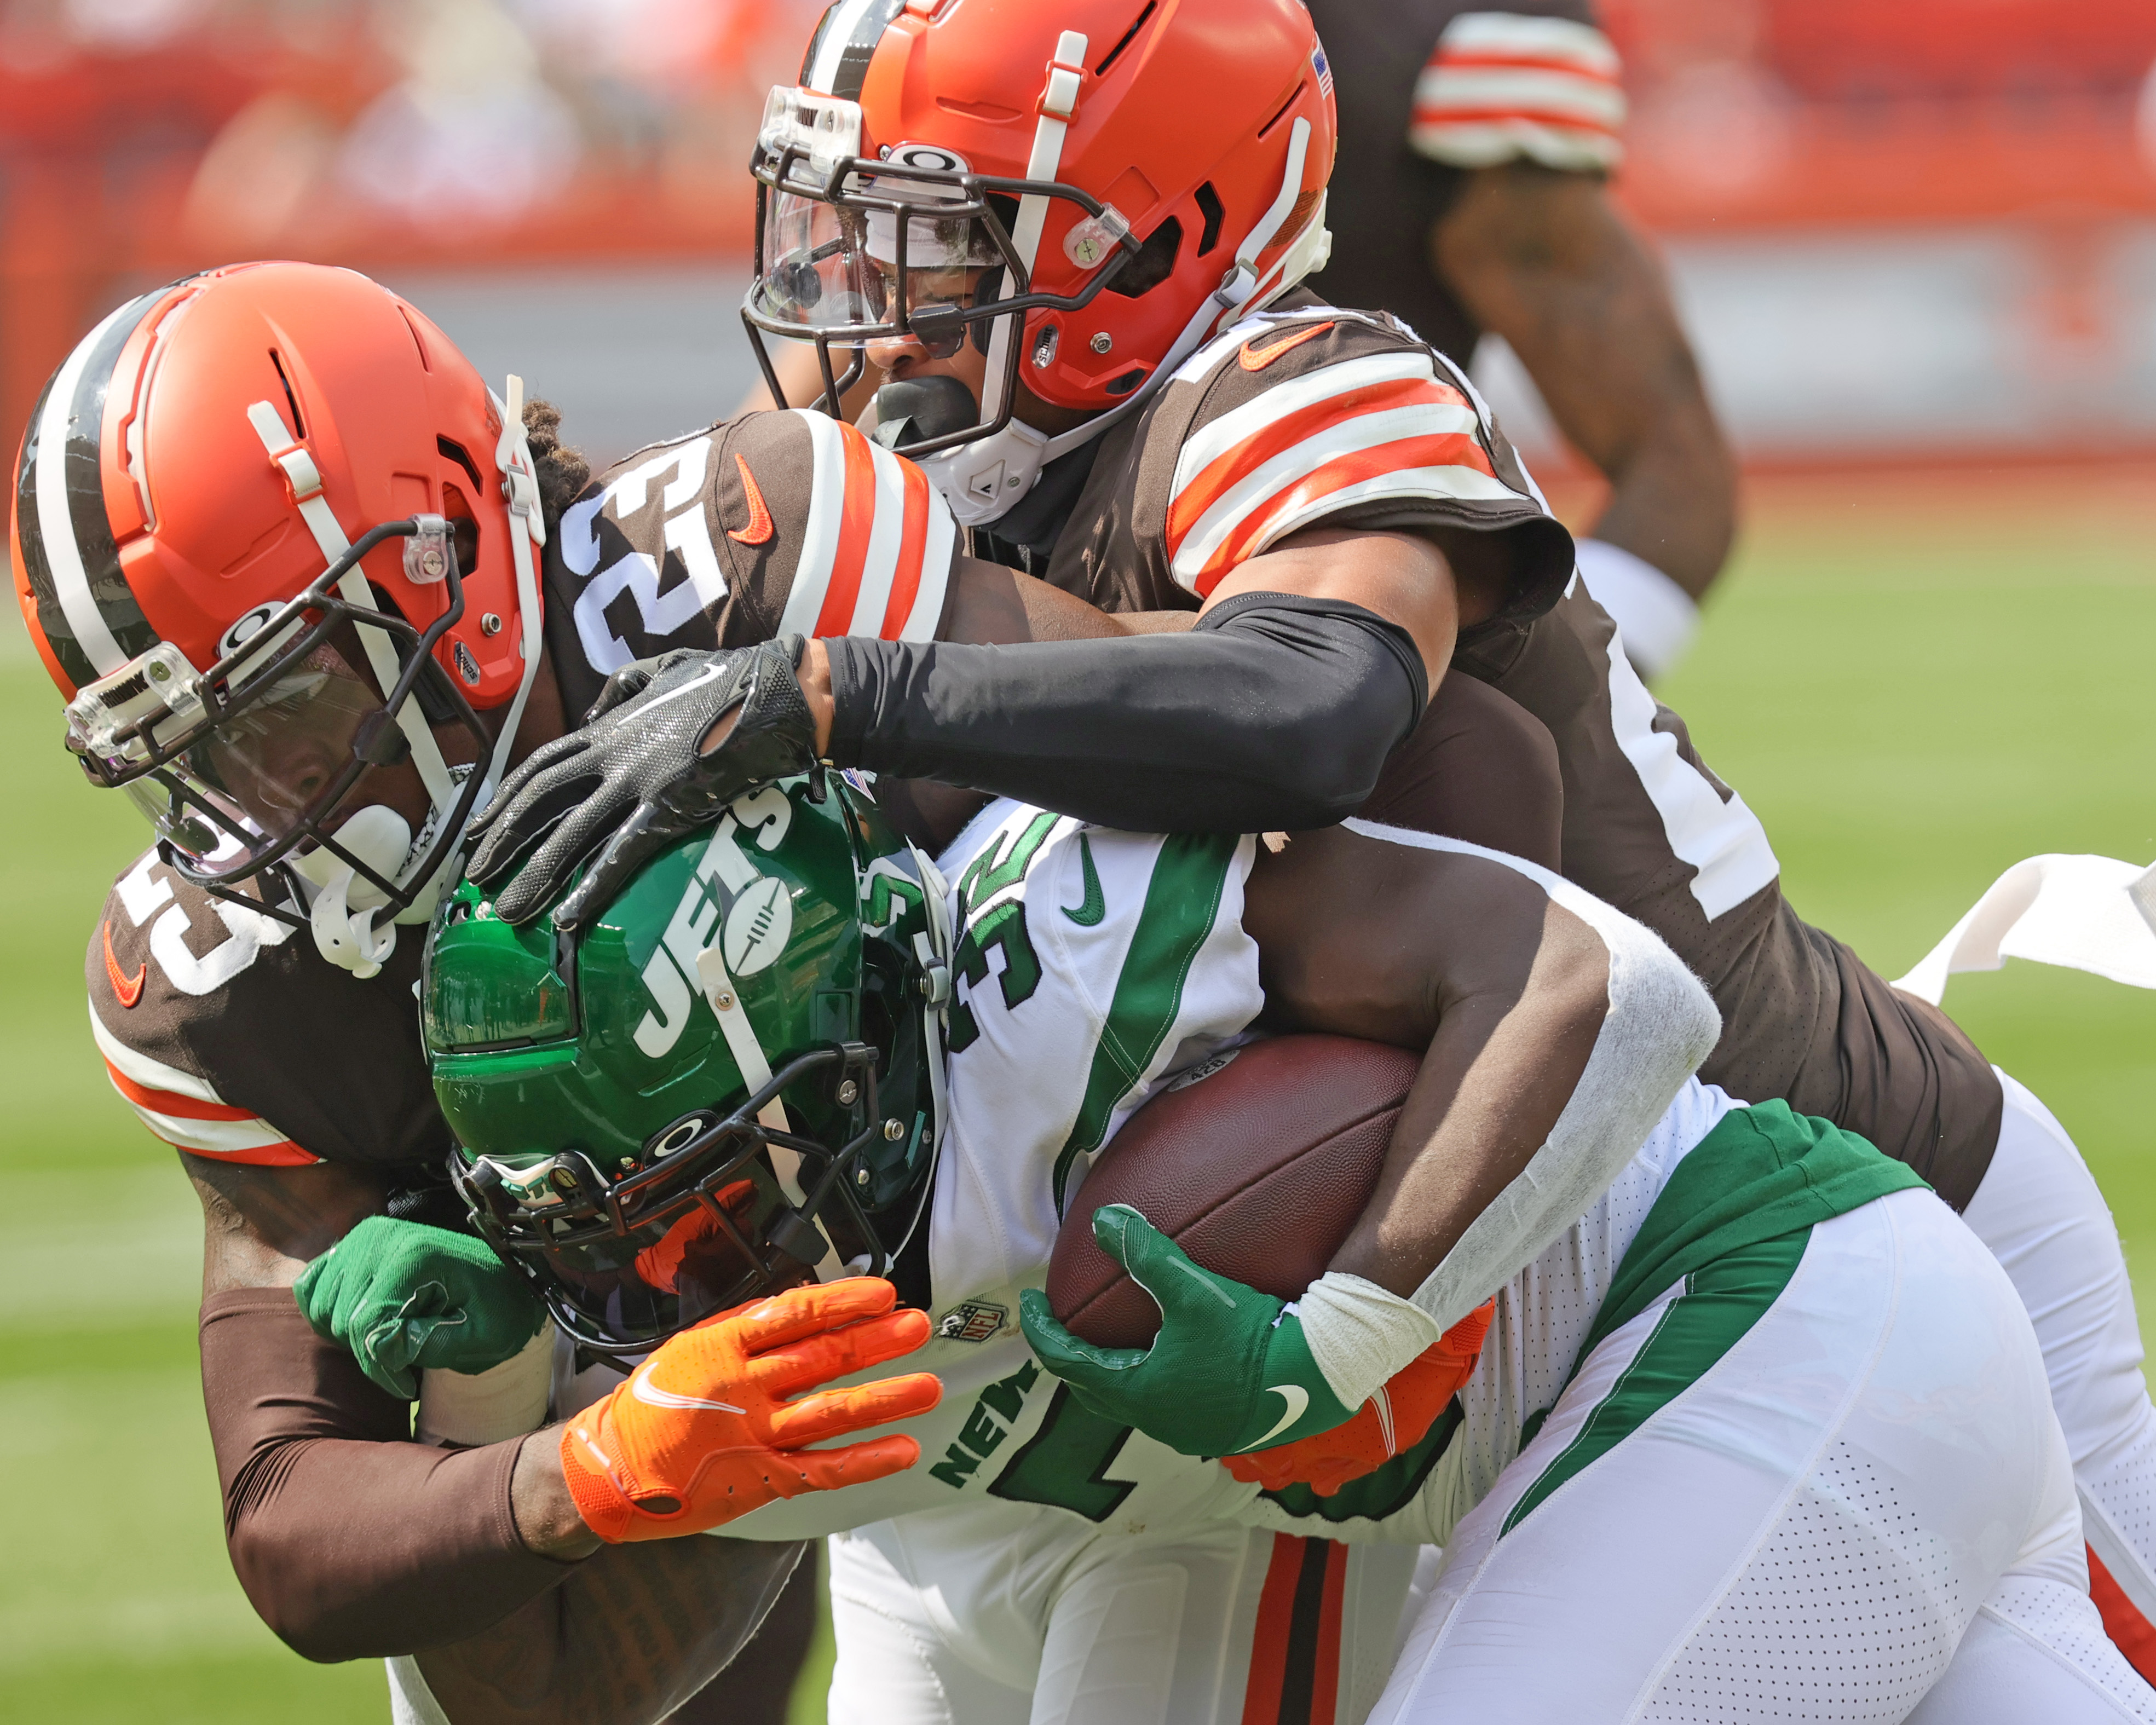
{"x":982,"y":479}
{"x":346,"y":902}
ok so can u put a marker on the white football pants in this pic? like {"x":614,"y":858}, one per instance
{"x":1009,"y":1614}
{"x":1808,"y":1531}
{"x":2040,"y":1211}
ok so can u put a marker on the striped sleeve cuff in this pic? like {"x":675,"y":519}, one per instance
{"x":879,"y":546}
{"x":187,"y":1114}
{"x":1500,"y":87}
{"x":1380,"y":427}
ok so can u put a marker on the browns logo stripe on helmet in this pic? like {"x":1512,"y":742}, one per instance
{"x":90,"y":621}
{"x":1381,"y":426}
{"x":839,"y":53}
{"x":876,"y":554}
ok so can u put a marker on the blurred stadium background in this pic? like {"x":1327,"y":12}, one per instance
{"x":1917,"y":247}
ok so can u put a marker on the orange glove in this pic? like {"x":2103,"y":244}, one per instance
{"x":701,"y":1433}
{"x":1397,"y":1417}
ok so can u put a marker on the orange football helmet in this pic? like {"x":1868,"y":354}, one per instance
{"x":240,"y":511}
{"x":1087,"y":189}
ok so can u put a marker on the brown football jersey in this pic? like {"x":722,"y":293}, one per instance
{"x":1305,"y":415}
{"x":1648,"y":827}
{"x":1430,"y":90}
{"x":1292,"y":418}
{"x":226,"y":1031}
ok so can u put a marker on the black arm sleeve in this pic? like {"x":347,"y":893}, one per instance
{"x":1275,"y":713}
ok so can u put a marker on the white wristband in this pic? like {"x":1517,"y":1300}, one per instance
{"x":1656,"y":617}
{"x":1360,"y":1334}
{"x":468,"y":1408}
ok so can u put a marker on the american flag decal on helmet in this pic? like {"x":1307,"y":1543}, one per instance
{"x":877,"y":552}
{"x":1385,"y":425}
{"x":1500,"y":86}
{"x":1322,"y":67}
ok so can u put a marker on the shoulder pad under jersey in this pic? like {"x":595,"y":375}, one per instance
{"x":1312,"y":416}
{"x":779,"y":522}
{"x":231,"y":1037}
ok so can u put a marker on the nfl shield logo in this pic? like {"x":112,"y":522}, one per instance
{"x":974,"y":1321}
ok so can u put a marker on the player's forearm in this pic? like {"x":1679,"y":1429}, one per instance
{"x":1277,"y":713}
{"x":350,"y":1540}
{"x":1655,"y":1025}
{"x":1545,"y":260}
{"x":628,"y":1638}
{"x":1508,"y":1050}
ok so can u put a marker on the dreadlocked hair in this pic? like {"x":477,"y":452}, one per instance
{"x":562,"y":471}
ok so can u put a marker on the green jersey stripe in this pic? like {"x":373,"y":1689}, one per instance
{"x":1721,"y":1301}
{"x":1182,"y":904}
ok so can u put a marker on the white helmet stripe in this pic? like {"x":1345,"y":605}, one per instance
{"x":56,"y":524}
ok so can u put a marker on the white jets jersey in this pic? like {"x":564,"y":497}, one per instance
{"x":1090,"y":967}
{"x":1093,"y":967}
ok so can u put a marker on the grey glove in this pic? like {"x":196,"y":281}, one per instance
{"x":634,"y":771}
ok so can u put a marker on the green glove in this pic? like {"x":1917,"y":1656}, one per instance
{"x":1228,"y":1372}
{"x":407,"y":1298}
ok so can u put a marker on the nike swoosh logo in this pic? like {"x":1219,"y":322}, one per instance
{"x":1255,"y":358}
{"x":1298,"y":1403}
{"x":1094,"y":906}
{"x":650,"y":1393}
{"x":709,"y":674}
{"x":128,"y":989}
{"x":759,"y":529}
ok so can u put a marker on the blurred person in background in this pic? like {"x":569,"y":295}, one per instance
{"x":1472,"y":198}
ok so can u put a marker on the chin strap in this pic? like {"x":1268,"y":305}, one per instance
{"x":982,"y":478}
{"x":527,"y":533}
{"x":343,"y":904}
{"x":746,"y":1047}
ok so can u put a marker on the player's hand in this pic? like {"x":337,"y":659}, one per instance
{"x":1228,"y":1372}
{"x":638,"y":772}
{"x":405,"y":1298}
{"x":702,"y":1432}
{"x":1393,"y":1421}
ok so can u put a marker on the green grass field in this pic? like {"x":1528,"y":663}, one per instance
{"x":1912,"y":697}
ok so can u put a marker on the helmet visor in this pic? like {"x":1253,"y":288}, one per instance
{"x":843,"y":270}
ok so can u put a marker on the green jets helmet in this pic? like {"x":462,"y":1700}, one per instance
{"x":726,"y":1083}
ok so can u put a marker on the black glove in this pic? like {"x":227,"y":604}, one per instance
{"x":633,"y":771}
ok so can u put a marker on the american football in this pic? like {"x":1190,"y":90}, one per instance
{"x":1257,"y":1162}
{"x":939,"y":862}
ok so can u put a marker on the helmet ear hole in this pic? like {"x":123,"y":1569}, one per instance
{"x":1153,"y":264}
{"x":1214,"y":212}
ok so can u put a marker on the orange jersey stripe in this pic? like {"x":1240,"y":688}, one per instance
{"x":1450,"y":449}
{"x":906,"y":584}
{"x":1261,"y":1689}
{"x":172,"y":1103}
{"x":857,"y":523}
{"x":1228,"y":469}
